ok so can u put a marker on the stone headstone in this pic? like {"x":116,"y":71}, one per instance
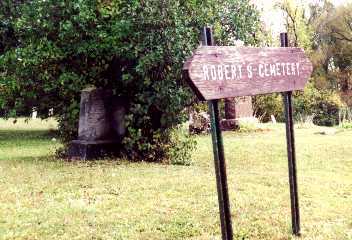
{"x":244,"y":107}
{"x":101,"y":125}
{"x":34,"y":113}
{"x":51,"y":112}
{"x":94,"y":122}
{"x":235,"y":110}
{"x":230,"y":108}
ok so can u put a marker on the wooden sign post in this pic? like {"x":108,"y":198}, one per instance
{"x":218,"y":72}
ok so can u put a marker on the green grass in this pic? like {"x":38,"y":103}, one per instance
{"x":45,"y":198}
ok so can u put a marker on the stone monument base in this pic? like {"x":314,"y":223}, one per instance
{"x":229,"y":124}
{"x":89,"y":150}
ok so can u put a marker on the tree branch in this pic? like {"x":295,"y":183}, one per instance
{"x":342,"y":37}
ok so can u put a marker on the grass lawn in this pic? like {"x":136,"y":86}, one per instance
{"x":45,"y":198}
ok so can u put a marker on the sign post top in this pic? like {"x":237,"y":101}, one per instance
{"x":216,"y":72}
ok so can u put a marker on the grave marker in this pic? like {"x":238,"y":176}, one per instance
{"x":101,"y":125}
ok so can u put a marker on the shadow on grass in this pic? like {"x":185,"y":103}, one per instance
{"x":41,"y":149}
{"x":41,"y":140}
{"x":54,"y":161}
{"x":48,"y":158}
{"x":27,"y":135}
{"x":21,"y":145}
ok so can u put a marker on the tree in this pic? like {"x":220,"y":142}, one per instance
{"x":322,"y":42}
{"x":332,"y":46}
{"x":340,"y":26}
{"x":135,"y":48}
{"x":310,"y":27}
{"x":297,"y":23}
{"x":236,"y":28}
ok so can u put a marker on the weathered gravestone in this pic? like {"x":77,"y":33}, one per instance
{"x":236,"y":109}
{"x":101,"y":125}
{"x":244,"y":107}
{"x":34,"y":113}
{"x":230,"y":122}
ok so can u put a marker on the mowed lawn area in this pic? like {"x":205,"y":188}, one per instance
{"x":46,"y":198}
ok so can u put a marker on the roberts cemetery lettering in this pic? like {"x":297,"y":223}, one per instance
{"x":234,"y":72}
{"x":222,"y":71}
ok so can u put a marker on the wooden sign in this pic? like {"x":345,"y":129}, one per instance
{"x":216,"y":72}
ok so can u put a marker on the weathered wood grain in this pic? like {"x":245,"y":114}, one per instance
{"x":216,"y":72}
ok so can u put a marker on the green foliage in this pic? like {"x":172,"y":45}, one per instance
{"x":136,"y":48}
{"x":325,"y":35}
{"x":345,"y":118}
{"x":267,"y":105}
{"x":297,"y":24}
{"x":322,"y":105}
{"x":181,"y":145}
{"x":332,"y":46}
{"x":346,"y":125}
{"x":237,"y":20}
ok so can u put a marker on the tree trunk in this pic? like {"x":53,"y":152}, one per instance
{"x":344,"y":80}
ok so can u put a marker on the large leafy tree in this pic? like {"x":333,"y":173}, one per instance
{"x":53,"y":49}
{"x":297,"y":23}
{"x":310,"y":26}
{"x":332,"y":44}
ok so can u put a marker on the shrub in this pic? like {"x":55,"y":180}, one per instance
{"x":267,"y":105}
{"x":135,"y":48}
{"x":323,"y":105}
{"x":180,"y":147}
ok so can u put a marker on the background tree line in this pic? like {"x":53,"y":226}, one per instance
{"x":325,"y":32}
